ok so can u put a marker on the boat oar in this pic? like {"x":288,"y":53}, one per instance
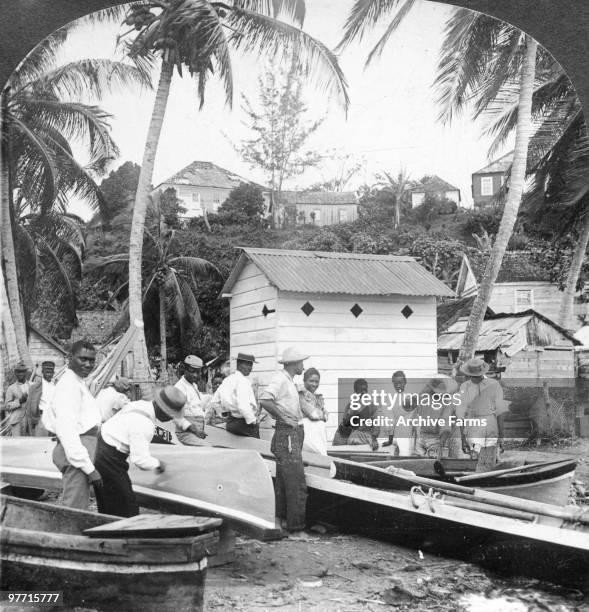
{"x":495,"y":499}
{"x":517,"y":468}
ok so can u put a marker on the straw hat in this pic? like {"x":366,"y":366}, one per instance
{"x":246,"y":357}
{"x":292,"y":354}
{"x":475,"y":367}
{"x":193,"y":361}
{"x":170,"y":400}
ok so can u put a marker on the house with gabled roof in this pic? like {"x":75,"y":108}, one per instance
{"x":204,"y":186}
{"x":356,"y":315}
{"x":435,"y":186}
{"x":488,"y":181}
{"x":317,"y":207}
{"x":521,"y":285}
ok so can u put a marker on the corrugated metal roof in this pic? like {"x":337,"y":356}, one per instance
{"x":317,"y":197}
{"x":501,"y":330}
{"x":498,"y":165}
{"x":341,"y":273}
{"x":207,"y":174}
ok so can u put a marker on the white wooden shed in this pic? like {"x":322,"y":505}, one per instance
{"x":357,"y":316}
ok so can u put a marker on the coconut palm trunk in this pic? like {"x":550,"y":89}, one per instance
{"x":163,"y":332}
{"x":138,"y":224}
{"x":8,"y":253}
{"x":565,"y":314}
{"x":516,"y":188}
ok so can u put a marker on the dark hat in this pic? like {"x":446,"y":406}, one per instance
{"x":48,"y":365}
{"x":170,"y":400}
{"x":475,"y":367}
{"x":246,"y":357}
{"x":20,"y":367}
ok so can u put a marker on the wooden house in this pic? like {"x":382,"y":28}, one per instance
{"x":521,"y":285}
{"x":317,"y":207}
{"x":437,"y":187}
{"x":205,"y":186}
{"x":43,"y":348}
{"x":357,"y":316}
{"x":488,"y":181}
{"x":530,"y":347}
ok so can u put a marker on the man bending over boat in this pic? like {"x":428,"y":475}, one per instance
{"x":127,"y":435}
{"x":74,"y":419}
{"x":191,"y":428}
{"x":483,"y":405}
{"x":281,"y":399}
{"x":236,"y":396}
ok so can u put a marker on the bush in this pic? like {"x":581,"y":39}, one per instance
{"x":245,"y":205}
{"x":474,"y":221}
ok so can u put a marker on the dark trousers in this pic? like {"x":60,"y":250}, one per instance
{"x":290,"y":486}
{"x":239,"y":427}
{"x":116,"y":494}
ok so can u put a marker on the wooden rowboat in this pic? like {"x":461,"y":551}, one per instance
{"x":235,"y":486}
{"x":160,"y":567}
{"x":503,"y":532}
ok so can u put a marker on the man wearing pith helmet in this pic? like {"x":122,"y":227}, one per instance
{"x":191,"y":428}
{"x":236,"y":396}
{"x":281,"y":399}
{"x":481,"y":399}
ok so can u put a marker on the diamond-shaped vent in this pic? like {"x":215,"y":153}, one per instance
{"x":307,"y":308}
{"x":407,"y":311}
{"x":356,"y":310}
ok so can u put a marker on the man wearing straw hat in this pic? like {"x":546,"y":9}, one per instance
{"x":127,"y":435}
{"x":15,"y":400}
{"x":236,"y":396}
{"x":481,"y":399}
{"x":281,"y":399}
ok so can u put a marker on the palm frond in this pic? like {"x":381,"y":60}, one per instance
{"x":196,"y":268}
{"x":291,"y":9}
{"x":268,"y":36}
{"x":365,"y":14}
{"x":90,"y":78}
{"x":116,"y":263}
{"x":400,"y":15}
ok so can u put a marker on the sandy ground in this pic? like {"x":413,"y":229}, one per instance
{"x":334,"y":572}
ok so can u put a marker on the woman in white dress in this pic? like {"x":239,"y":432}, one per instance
{"x":315,"y":415}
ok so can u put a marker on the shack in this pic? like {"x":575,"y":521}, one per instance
{"x":44,"y":348}
{"x":357,"y":316}
{"x":530,"y":346}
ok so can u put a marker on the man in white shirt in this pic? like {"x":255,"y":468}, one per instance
{"x":191,"y":428}
{"x":16,"y":398}
{"x":47,"y":393}
{"x":281,"y":399}
{"x":112,"y":399}
{"x":74,"y":418}
{"x":128,"y":435}
{"x":236,"y":396}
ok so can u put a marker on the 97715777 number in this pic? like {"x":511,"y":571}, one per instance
{"x":31,"y":597}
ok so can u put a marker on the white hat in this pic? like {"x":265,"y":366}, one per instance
{"x":193,"y":361}
{"x":292,"y":354}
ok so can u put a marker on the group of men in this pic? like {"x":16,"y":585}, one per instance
{"x":96,"y":438}
{"x":478,"y":409}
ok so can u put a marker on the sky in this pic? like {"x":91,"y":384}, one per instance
{"x":391,"y":122}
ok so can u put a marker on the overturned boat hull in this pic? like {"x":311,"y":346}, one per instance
{"x":234,"y":485}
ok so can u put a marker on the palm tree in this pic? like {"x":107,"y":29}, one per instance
{"x":398,"y":186}
{"x":41,"y":115}
{"x":481,"y":59}
{"x":171,"y":283}
{"x":197,"y":35}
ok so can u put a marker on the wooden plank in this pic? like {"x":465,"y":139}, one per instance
{"x":252,"y":310}
{"x":252,"y":283}
{"x":156,"y":526}
{"x":256,"y":296}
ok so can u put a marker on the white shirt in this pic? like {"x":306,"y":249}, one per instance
{"x":47,"y":393}
{"x":284,"y":392}
{"x":194,"y":402}
{"x":236,"y":395}
{"x":130,"y":431}
{"x":110,"y":401}
{"x":73,"y":412}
